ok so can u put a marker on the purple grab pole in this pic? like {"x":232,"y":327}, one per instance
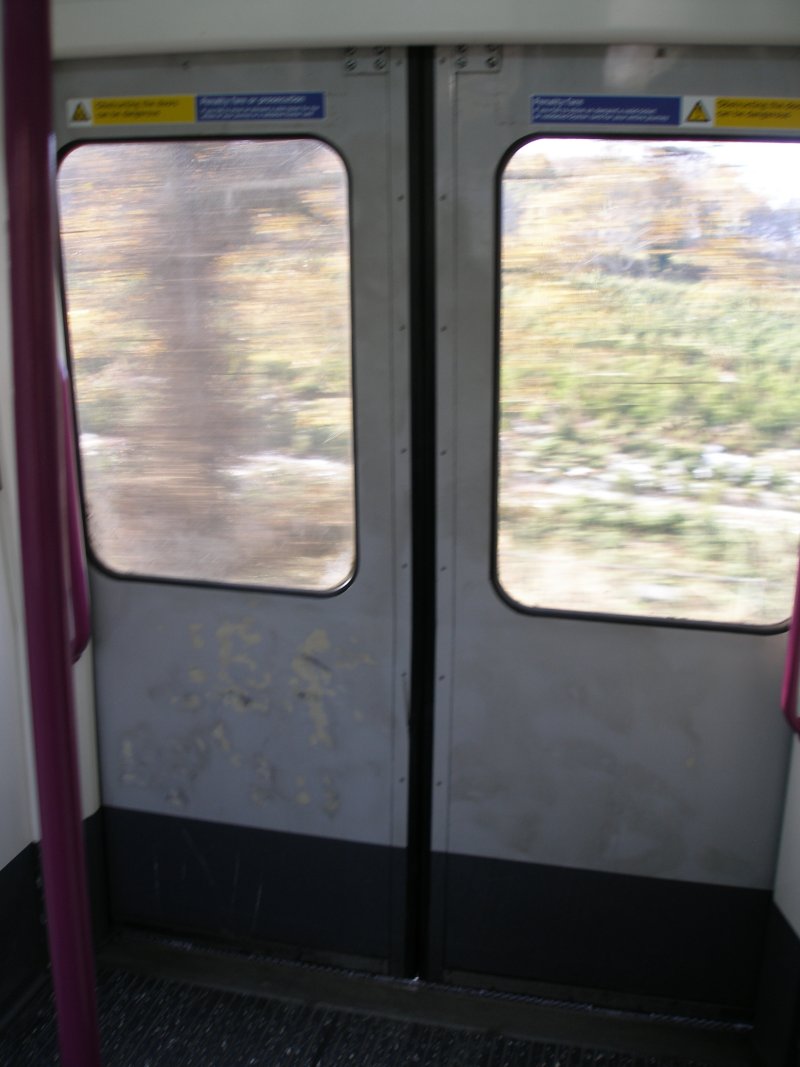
{"x":41,"y":471}
{"x":791,"y":673}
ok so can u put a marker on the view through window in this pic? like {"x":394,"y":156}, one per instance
{"x":208,"y":298}
{"x":649,"y":457}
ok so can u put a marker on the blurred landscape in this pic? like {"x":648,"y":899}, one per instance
{"x":208,"y":296}
{"x":650,"y":440}
{"x":649,"y":357}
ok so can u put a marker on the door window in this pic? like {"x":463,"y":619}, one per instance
{"x":208,"y":298}
{"x":649,"y":452}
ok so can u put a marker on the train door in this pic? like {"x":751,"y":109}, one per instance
{"x":234,"y":254}
{"x":613,"y":523}
{"x":617,"y":514}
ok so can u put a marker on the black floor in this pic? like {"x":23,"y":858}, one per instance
{"x":164,"y":1021}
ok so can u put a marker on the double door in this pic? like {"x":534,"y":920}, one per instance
{"x":373,"y":682}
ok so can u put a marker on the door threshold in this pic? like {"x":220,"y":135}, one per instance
{"x":678,"y":1042}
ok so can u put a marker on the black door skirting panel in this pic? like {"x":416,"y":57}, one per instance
{"x":24,"y":956}
{"x":777,"y":1034}
{"x":94,"y":844}
{"x":23,"y":944}
{"x":683,"y":942}
{"x":287,"y":891}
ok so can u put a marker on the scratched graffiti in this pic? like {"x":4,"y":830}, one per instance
{"x":169,"y":766}
{"x":311,"y":685}
{"x":245,"y":719}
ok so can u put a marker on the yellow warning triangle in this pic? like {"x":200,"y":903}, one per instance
{"x":80,"y":114}
{"x":698,"y":113}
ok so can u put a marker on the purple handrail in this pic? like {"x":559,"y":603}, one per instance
{"x":42,"y":475}
{"x":79,"y":577}
{"x":791,"y":673}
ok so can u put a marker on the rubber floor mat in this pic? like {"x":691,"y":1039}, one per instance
{"x":153,"y":1022}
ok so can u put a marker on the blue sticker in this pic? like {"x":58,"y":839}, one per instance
{"x":260,"y":107}
{"x":607,"y":110}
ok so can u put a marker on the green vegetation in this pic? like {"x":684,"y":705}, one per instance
{"x":649,"y":375}
{"x":650,"y":438}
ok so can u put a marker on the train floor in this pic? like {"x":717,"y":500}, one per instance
{"x":168,"y":1004}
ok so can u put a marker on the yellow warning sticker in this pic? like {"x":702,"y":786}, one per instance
{"x":81,"y":113}
{"x":697,"y":113}
{"x":130,"y":110}
{"x":141,"y":110}
{"x":758,"y":112}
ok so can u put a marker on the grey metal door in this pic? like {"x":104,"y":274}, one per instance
{"x":608,"y":779}
{"x":251,"y":716}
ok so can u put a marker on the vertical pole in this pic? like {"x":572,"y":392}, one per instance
{"x":43,"y":520}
